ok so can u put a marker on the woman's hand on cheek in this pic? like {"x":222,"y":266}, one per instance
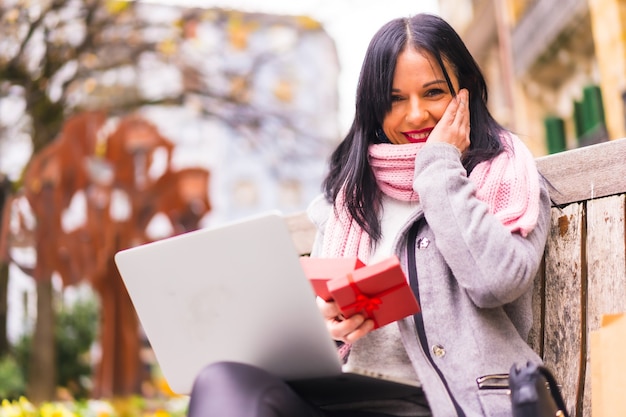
{"x":454,"y":125}
{"x":347,"y":330}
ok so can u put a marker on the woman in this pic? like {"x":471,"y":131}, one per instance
{"x":427,"y":174}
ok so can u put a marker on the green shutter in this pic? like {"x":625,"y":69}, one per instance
{"x":555,"y":134}
{"x":592,"y":108}
{"x":579,"y":118}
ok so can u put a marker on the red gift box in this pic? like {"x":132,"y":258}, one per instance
{"x":320,"y":270}
{"x":379,"y":291}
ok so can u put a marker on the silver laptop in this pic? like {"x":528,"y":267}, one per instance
{"x":237,"y":293}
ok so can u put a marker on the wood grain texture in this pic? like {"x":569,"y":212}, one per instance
{"x":563,"y":297}
{"x":586,"y":173}
{"x":535,"y":336}
{"x":606,"y":270}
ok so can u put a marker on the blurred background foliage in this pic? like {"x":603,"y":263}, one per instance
{"x":123,"y":112}
{"x":75,"y":333}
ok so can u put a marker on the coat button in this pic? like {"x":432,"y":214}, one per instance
{"x":423,"y":242}
{"x":439,"y":351}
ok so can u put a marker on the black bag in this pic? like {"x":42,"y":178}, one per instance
{"x":535,"y":393}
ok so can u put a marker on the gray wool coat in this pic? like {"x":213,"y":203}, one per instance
{"x":475,"y":281}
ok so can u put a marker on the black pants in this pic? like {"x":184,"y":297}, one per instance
{"x":229,"y":389}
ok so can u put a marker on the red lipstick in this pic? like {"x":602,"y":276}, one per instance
{"x":417,"y":136}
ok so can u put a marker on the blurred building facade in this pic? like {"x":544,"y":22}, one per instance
{"x":556,"y":69}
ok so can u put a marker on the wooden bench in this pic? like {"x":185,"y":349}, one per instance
{"x":583,"y":273}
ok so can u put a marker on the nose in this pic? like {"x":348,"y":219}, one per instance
{"x":416,"y":111}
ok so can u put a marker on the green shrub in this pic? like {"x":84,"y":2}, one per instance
{"x":75,"y":331}
{"x":12,"y":384}
{"x":76,"y":327}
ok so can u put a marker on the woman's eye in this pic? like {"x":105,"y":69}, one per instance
{"x":434,"y":92}
{"x":395,"y":98}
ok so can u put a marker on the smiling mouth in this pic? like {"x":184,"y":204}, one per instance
{"x":417,"y":136}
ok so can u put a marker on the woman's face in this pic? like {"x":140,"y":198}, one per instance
{"x":419,"y":97}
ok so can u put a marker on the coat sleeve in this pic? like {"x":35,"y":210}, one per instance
{"x":494,"y":265}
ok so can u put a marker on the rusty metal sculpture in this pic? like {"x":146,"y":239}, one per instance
{"x":107,"y":164}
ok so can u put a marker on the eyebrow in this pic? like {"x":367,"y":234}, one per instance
{"x":426,"y":85}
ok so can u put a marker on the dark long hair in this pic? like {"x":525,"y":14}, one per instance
{"x":349,"y":164}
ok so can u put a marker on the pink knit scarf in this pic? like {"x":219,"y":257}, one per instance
{"x":509,"y":184}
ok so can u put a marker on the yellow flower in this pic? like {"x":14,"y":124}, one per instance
{"x":28,"y":409}
{"x":55,"y":410}
{"x":21,"y":408}
{"x":9,"y":410}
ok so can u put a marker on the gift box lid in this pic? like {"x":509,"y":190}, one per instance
{"x":379,"y":291}
{"x":320,"y":270}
